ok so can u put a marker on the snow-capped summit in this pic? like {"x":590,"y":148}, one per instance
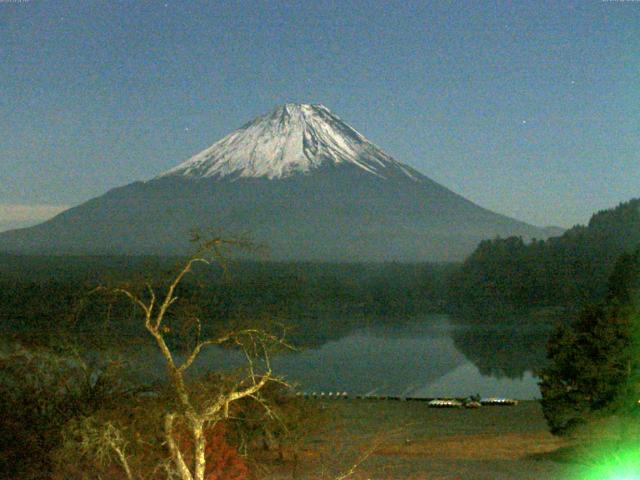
{"x":293,"y":138}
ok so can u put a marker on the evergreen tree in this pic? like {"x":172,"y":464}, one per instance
{"x":594,"y":362}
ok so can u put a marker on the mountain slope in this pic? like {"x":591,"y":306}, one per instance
{"x":298,"y":179}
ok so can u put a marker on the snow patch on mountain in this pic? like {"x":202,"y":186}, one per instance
{"x":294,"y":138}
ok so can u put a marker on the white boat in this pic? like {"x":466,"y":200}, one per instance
{"x":498,"y":401}
{"x":444,"y":403}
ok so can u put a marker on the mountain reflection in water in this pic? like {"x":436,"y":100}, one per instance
{"x":426,"y":357}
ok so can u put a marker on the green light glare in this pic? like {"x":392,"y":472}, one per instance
{"x":619,"y":464}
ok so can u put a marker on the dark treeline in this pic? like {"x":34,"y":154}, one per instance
{"x":568,"y":271}
{"x":42,"y":294}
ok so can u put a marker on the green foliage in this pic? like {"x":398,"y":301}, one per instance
{"x":41,"y":389}
{"x":594,"y":362}
{"x":570,"y":270}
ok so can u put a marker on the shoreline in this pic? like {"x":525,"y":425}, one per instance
{"x":409,"y":440}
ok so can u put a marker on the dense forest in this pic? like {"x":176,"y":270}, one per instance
{"x":507,"y":274}
{"x":53,"y":294}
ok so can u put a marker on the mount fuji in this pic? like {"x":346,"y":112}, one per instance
{"x":298,"y":179}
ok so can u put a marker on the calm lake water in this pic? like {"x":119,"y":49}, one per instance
{"x":426,"y":357}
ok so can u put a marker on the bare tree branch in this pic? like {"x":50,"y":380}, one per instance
{"x":169,"y":297}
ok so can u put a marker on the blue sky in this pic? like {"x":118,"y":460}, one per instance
{"x":529,"y":108}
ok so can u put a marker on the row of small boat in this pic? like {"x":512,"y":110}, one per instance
{"x":455,"y":403}
{"x":323,"y":394}
{"x":435,"y":403}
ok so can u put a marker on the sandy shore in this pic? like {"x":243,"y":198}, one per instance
{"x":408,"y":440}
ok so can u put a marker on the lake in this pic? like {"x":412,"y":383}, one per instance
{"x":431,"y":356}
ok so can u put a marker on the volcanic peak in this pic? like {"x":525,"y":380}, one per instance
{"x":292,"y":139}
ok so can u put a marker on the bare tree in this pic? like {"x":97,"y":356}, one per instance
{"x":193,"y":413}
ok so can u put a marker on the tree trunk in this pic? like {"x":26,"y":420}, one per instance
{"x":176,"y":455}
{"x":199,"y":442}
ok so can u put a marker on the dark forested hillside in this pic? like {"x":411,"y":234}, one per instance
{"x":570,"y":270}
{"x":47,"y":293}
